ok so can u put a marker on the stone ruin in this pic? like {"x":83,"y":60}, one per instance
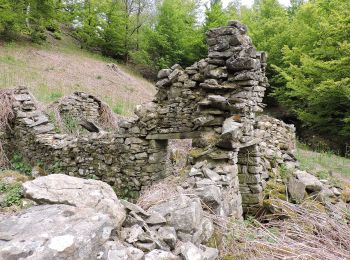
{"x":216,"y":102}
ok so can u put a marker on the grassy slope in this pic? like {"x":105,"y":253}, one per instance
{"x":60,"y":67}
{"x":323,"y":161}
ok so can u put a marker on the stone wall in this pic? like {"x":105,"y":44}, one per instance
{"x":214,"y":102}
{"x":126,"y":161}
{"x":80,"y":105}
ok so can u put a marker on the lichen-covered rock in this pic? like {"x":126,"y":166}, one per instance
{"x":54,"y":232}
{"x":63,"y":189}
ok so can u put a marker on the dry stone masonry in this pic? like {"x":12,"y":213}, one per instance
{"x":215,"y":102}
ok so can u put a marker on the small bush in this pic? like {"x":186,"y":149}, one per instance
{"x":18,"y":164}
{"x":57,"y":36}
{"x":13,"y":194}
{"x":38,"y":36}
{"x":99,"y":77}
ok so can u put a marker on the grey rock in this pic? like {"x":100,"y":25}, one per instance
{"x":336,"y":191}
{"x":155,"y":218}
{"x":191,"y":252}
{"x":164,"y":73}
{"x":63,"y":189}
{"x":168,"y":235}
{"x":204,"y":183}
{"x":238,"y":25}
{"x":311,"y":183}
{"x":54,"y":232}
{"x":183,"y":213}
{"x":163,"y":83}
{"x":157,"y":254}
{"x":115,"y":250}
{"x":174,"y":75}
{"x":242,"y":63}
{"x":211,"y":174}
{"x":132,"y":234}
{"x":146,"y":247}
{"x":209,"y":253}
{"x":205,"y":231}
{"x":296,"y":189}
{"x":22,"y":97}
{"x":42,"y":129}
{"x":210,"y":195}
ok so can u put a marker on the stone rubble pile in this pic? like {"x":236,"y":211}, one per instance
{"x":177,"y":226}
{"x":212,"y":183}
{"x":83,"y":219}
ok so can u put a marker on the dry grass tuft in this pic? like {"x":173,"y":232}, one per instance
{"x":305,"y":231}
{"x":6,"y":115}
{"x":13,"y":176}
{"x":6,"y":111}
{"x":159,"y":192}
{"x":108,"y":120}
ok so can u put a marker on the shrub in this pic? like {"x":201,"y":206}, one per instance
{"x":18,"y":164}
{"x":13,"y":194}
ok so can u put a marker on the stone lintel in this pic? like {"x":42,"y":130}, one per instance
{"x":184,"y":135}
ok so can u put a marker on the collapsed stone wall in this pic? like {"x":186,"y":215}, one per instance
{"x":80,"y":105}
{"x":125,"y":161}
{"x":214,"y":102}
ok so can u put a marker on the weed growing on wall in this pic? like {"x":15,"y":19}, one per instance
{"x":18,"y":164}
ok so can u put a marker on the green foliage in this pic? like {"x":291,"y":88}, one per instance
{"x":118,"y":109}
{"x":56,"y":167}
{"x":307,"y":43}
{"x":57,"y":36}
{"x":55,"y":95}
{"x":20,"y":165}
{"x":175,"y":37}
{"x":215,"y":15}
{"x":315,"y":68}
{"x":13,"y":194}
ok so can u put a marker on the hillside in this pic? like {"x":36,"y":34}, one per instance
{"x":60,"y":67}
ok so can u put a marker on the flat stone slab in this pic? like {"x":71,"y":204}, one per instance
{"x":54,"y":232}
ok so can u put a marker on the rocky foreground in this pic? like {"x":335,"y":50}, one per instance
{"x":75,"y":218}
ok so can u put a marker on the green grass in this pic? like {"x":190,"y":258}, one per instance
{"x":121,"y":106}
{"x":47,"y":94}
{"x":322,"y":162}
{"x":118,"y":109}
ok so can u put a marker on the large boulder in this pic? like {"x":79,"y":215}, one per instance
{"x":54,"y":232}
{"x":312,"y":184}
{"x":64,"y":189}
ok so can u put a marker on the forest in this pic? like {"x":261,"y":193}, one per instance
{"x":307,"y":44}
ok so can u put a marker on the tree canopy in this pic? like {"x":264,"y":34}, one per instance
{"x":307,"y":43}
